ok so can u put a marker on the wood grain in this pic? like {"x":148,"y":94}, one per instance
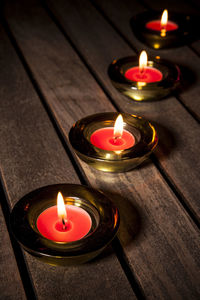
{"x":174,"y":157}
{"x":159,"y":238}
{"x":182,"y":7}
{"x":10,"y":282}
{"x":33,"y":156}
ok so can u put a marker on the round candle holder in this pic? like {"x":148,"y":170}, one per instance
{"x":186,"y":31}
{"x":104,"y":216}
{"x":144,"y":91}
{"x":113,"y":161}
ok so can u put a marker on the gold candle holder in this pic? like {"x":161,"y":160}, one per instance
{"x":143,"y":131}
{"x":104,"y":217}
{"x":144,"y":91}
{"x":187,"y":30}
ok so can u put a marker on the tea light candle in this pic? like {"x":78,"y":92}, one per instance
{"x":113,"y":138}
{"x":160,"y":34}
{"x":142,"y":73}
{"x":74,"y":231}
{"x":149,"y":80}
{"x":162,"y":25}
{"x":110,"y":149}
{"x":64,"y":223}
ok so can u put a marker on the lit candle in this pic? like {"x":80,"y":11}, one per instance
{"x":162,"y":25}
{"x":142,"y":73}
{"x":64,"y":223}
{"x":113,"y":138}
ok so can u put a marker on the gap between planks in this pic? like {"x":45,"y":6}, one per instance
{"x":83,"y":60}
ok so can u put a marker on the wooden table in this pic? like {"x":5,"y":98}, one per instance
{"x":53,"y":71}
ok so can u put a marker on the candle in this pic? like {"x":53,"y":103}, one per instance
{"x":113,"y":138}
{"x":86,"y":210}
{"x":142,"y":73}
{"x":162,"y":25}
{"x":64,"y":223}
{"x":110,"y":149}
{"x":161,"y":33}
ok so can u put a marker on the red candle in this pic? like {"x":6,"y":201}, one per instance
{"x":73,"y":225}
{"x":148,"y":75}
{"x":163,"y":24}
{"x":113,"y":138}
{"x":142,"y":73}
{"x":103,"y":138}
{"x":156,"y":25}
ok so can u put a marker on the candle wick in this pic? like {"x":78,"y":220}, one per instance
{"x":116,"y":138}
{"x":64,"y":224}
{"x":163,"y":26}
{"x":141,"y":70}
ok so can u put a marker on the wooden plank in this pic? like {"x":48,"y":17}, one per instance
{"x":33,"y":156}
{"x":179,"y":6}
{"x":10,"y":282}
{"x":177,"y":160}
{"x":11,"y":286}
{"x":160,"y":240}
{"x":156,"y":238}
{"x":196,"y":47}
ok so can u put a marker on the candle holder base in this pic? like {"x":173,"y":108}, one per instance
{"x":144,"y":133}
{"x":144,"y":91}
{"x":103,"y":213}
{"x":187,"y":30}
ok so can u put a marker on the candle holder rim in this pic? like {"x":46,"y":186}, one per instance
{"x":175,"y":17}
{"x":93,"y":242}
{"x":118,"y":63}
{"x":113,"y":161}
{"x":98,"y":153}
{"x":144,"y":91}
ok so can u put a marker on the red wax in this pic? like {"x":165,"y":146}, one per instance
{"x":148,"y":75}
{"x":104,"y":138}
{"x":156,"y":25}
{"x":77,"y":226}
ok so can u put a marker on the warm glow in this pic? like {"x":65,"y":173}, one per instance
{"x":156,"y":46}
{"x":141,"y":84}
{"x":164,"y":18}
{"x":118,"y":127}
{"x":143,"y":61}
{"x":61,"y":207}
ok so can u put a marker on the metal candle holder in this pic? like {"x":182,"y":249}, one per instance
{"x":113,"y":161}
{"x":143,"y":91}
{"x":186,"y":31}
{"x":103,"y":213}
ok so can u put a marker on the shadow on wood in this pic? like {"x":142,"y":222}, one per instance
{"x":188,"y":79}
{"x":166,"y":142}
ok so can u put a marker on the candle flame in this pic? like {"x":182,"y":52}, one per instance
{"x":118,"y":127}
{"x":61,"y":207}
{"x":164,"y":18}
{"x":143,"y":61}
